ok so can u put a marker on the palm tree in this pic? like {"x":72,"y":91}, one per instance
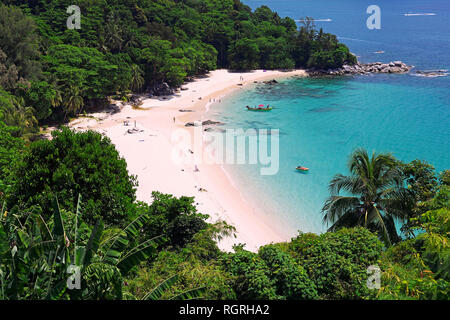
{"x":18,"y":115}
{"x":137,"y":81}
{"x":374,"y":196}
{"x":73,"y":100}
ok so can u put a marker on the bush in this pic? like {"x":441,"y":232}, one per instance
{"x":337,"y":262}
{"x":192,"y":273}
{"x":252,"y":276}
{"x":291,"y":280}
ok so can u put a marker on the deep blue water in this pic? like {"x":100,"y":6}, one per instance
{"x":322,"y":121}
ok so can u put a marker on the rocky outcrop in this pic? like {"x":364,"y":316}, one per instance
{"x":365,"y":68}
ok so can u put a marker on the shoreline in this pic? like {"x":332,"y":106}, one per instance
{"x":148,"y":152}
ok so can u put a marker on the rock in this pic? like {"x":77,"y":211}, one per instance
{"x":161,"y":89}
{"x":273,"y":81}
{"x":135,"y":98}
{"x":134,"y":130}
{"x":185,"y":110}
{"x":192,"y":124}
{"x":210,"y":122}
{"x":214,"y":130}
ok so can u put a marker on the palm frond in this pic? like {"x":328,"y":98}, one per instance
{"x":190,"y":294}
{"x":137,"y":255}
{"x":157,"y":292}
{"x":336,"y":206}
{"x":347,"y":220}
{"x":93,"y":243}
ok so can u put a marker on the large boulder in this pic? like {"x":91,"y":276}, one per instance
{"x":161,"y":89}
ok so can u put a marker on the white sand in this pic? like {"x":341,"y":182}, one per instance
{"x":149,"y":155}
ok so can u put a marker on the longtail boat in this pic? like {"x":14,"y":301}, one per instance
{"x":261,"y":107}
{"x":300,"y":168}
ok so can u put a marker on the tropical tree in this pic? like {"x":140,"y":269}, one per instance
{"x":13,"y":112}
{"x":19,"y":42}
{"x":374,"y":195}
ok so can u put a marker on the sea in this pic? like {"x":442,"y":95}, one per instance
{"x":322,"y":120}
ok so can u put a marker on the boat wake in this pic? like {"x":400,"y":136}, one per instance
{"x":359,"y":40}
{"x":316,"y":20}
{"x":431,"y":73}
{"x":419,"y":14}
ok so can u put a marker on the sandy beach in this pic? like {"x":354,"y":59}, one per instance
{"x":149,"y":149}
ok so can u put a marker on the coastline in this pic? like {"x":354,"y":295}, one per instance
{"x":148,"y":152}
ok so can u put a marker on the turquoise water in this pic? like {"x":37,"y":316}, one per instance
{"x":321,"y":121}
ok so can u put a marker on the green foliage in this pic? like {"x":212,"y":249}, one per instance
{"x":419,"y":268}
{"x":82,"y":73}
{"x":337,"y":261}
{"x":444,"y":178}
{"x":71,"y":164}
{"x":10,"y":153}
{"x":19,"y":47}
{"x":13,"y":113}
{"x":35,"y":261}
{"x":421,"y":179}
{"x":244,"y":54}
{"x":42,"y":97}
{"x":291,"y":280}
{"x":252,"y":276}
{"x":191,"y":274}
{"x":176,"y":218}
{"x":183,"y":228}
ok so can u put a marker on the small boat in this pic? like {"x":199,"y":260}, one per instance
{"x":300,"y":168}
{"x":261,"y":107}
